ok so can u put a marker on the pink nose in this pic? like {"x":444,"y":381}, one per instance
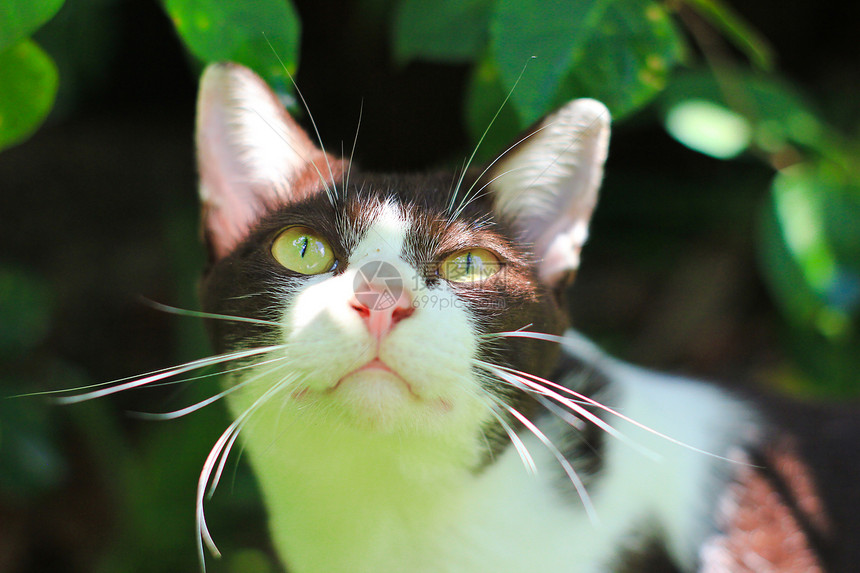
{"x":379,"y":311}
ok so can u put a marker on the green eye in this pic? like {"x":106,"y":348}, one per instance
{"x":302,"y":250}
{"x":469,"y":266}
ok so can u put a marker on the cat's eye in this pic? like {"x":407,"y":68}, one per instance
{"x":302,"y":250}
{"x":470,"y":265}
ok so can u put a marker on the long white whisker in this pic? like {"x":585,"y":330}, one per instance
{"x":166,"y":373}
{"x":486,"y":131}
{"x":518,"y":444}
{"x":200,"y":314}
{"x":328,"y":190}
{"x":211,"y":374}
{"x":493,"y":162}
{"x":541,"y":385}
{"x":565,"y":464}
{"x":468,"y":200}
{"x":212,"y":399}
{"x":354,"y":145}
{"x":217,"y":456}
{"x":517,"y":379}
{"x":310,"y":115}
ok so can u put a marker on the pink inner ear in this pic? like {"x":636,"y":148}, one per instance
{"x":252,"y":156}
{"x":547,"y":186}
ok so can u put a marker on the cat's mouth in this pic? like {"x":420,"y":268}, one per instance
{"x":378,"y":368}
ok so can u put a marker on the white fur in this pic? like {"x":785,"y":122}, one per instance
{"x":346,"y":498}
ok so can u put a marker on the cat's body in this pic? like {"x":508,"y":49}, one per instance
{"x":419,"y":429}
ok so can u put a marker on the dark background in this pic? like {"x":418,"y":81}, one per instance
{"x":98,"y":209}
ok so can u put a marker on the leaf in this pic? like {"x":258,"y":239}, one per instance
{"x":776,"y":113}
{"x":552,"y":32}
{"x":263,"y":35}
{"x":618,"y":52}
{"x":709,"y":128}
{"x":738,"y":31}
{"x":817,"y":284}
{"x":627,"y":64}
{"x":20,"y":18}
{"x":28,"y":86}
{"x":441,"y":30}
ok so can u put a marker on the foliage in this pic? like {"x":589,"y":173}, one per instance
{"x":520,"y":59}
{"x":27,"y":75}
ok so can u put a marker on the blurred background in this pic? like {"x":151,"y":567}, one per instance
{"x":726,"y":244}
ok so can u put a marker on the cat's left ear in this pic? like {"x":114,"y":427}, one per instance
{"x":546,"y":186}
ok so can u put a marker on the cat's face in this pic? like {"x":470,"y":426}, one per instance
{"x":385,"y":291}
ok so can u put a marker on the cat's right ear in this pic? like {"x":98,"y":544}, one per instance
{"x":546,"y":185}
{"x":251,"y":155}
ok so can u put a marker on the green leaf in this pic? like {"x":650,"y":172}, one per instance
{"x":28,"y":86}
{"x":618,"y":52}
{"x":709,"y":128}
{"x":816,"y":283}
{"x":441,"y":30}
{"x":628,"y":62}
{"x":738,"y":31}
{"x":263,"y":35}
{"x":776,"y":113}
{"x":554,"y":33}
{"x":20,"y":18}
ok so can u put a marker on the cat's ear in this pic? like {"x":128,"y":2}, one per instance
{"x":251,"y":155}
{"x":547,"y":184}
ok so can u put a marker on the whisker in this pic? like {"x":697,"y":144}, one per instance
{"x":310,"y":115}
{"x":354,"y":145}
{"x":467,"y":200}
{"x":518,"y":444}
{"x":541,"y":386}
{"x":209,"y":375}
{"x":201,"y":314}
{"x":136,"y":382}
{"x":494,"y":161}
{"x":212,"y":399}
{"x":328,"y":190}
{"x":517,"y":379}
{"x":218,"y":456}
{"x":486,"y":131}
{"x":574,"y":478}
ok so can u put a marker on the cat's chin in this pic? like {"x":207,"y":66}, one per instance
{"x":377,"y":398}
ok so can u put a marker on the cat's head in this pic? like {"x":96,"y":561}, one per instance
{"x":386,"y":290}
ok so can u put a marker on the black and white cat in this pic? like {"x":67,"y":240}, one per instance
{"x":412,"y":400}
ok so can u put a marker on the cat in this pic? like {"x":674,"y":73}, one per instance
{"x":411,"y":396}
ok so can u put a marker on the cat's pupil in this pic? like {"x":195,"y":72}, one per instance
{"x":304,"y":246}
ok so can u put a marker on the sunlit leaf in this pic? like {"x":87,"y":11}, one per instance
{"x":776,"y":113}
{"x":817,"y":286}
{"x":261,"y":35}
{"x":441,"y":30}
{"x":618,"y":52}
{"x":709,"y":128}
{"x":628,"y":62}
{"x":20,"y":18}
{"x":28,"y":86}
